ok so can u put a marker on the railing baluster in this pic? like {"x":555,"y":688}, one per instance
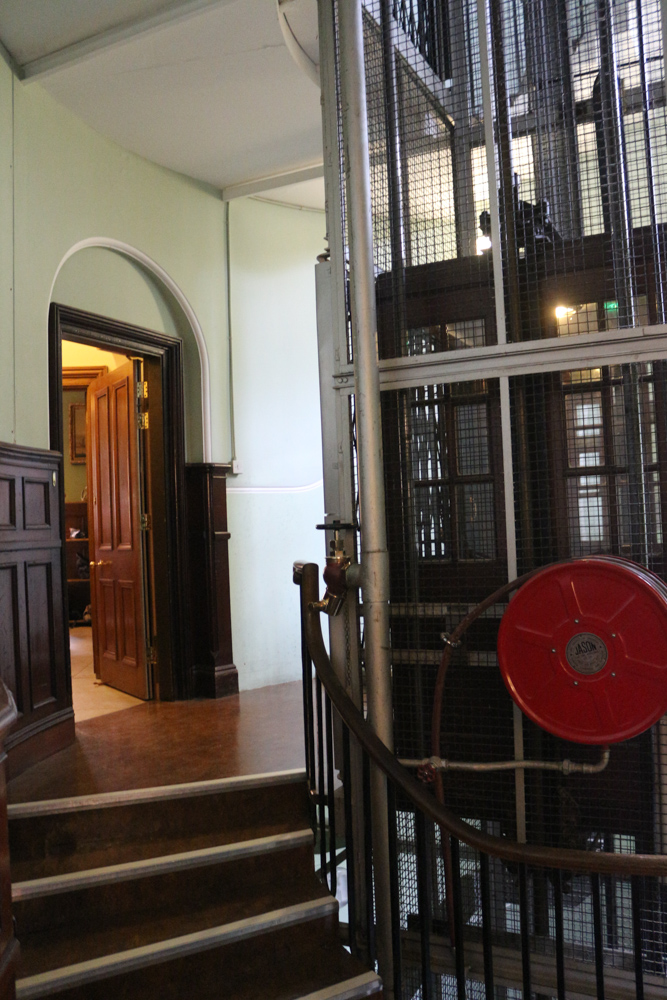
{"x":597,"y":932}
{"x":637,"y":901}
{"x":349,"y":846}
{"x":320,"y":779}
{"x":459,"y":955}
{"x":309,"y":724}
{"x":560,"y":935}
{"x":331,"y":802}
{"x":524,"y":922}
{"x":424,"y":903}
{"x":368,"y":859}
{"x":394,"y":891}
{"x":487,"y":928}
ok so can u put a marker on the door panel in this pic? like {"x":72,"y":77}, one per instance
{"x":119,"y":633}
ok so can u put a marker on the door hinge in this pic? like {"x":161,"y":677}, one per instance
{"x":142,"y":390}
{"x":143,"y":421}
{"x":151,"y":655}
{"x":145,"y":522}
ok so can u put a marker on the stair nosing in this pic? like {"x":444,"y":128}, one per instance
{"x":133,"y":959}
{"x":360,"y":986}
{"x":52,"y":885}
{"x":158,"y":793}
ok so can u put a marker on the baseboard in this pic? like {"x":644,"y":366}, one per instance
{"x":215,"y":681}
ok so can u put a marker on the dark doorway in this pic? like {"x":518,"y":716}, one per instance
{"x":162,"y":358}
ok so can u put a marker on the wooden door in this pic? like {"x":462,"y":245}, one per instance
{"x":114,"y":490}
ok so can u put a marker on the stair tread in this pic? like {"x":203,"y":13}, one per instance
{"x":42,"y":846}
{"x":55,"y":947}
{"x":219,"y":853}
{"x":290,"y":963}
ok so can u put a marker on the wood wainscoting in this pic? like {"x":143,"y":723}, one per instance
{"x":34,"y":646}
{"x":213,"y":669}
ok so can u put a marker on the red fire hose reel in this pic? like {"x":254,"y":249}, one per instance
{"x":582,"y":649}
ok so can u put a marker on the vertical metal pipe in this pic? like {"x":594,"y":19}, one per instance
{"x":650,"y":174}
{"x":424,"y":903}
{"x":554,"y":139}
{"x":560,"y":934}
{"x":462,"y":99}
{"x":375,"y":557}
{"x":508,"y":251}
{"x":490,"y":145}
{"x":394,"y":176}
{"x":618,"y":196}
{"x":459,"y":954}
{"x":597,"y":934}
{"x":320,"y":780}
{"x":349,"y":846}
{"x":637,"y":936}
{"x":368,"y":854}
{"x":331,"y":802}
{"x":395,"y":894}
{"x":487,"y":926}
{"x":524,"y":919}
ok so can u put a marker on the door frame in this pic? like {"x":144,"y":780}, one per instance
{"x":167,"y":430}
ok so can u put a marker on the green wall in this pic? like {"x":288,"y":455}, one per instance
{"x":277,"y":501}
{"x":62,"y":183}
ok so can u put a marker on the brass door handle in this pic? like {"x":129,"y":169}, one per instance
{"x":101,"y":562}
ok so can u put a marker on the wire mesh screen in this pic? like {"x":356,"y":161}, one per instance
{"x":576,"y":91}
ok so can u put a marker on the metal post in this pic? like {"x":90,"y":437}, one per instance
{"x":395,"y":181}
{"x":375,"y":558}
{"x":490,"y":144}
{"x":330,"y":283}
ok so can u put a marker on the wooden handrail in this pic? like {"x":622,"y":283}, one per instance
{"x":567,"y":859}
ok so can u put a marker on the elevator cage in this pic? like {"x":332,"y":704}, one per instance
{"x":518,"y":169}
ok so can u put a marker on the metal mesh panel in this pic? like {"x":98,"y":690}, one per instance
{"x":577,"y":97}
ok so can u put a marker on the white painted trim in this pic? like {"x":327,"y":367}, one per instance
{"x":295,"y":49}
{"x":78,"y":52}
{"x":161,"y":793}
{"x":364,"y":985}
{"x":95,"y":969}
{"x":132,"y":253}
{"x":268,"y":183}
{"x":37,"y":888}
{"x":277,"y":489}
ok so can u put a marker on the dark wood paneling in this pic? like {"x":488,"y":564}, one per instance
{"x":214,"y":672}
{"x":34,"y":651}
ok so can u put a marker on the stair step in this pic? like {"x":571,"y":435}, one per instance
{"x":39,"y":888}
{"x":85,"y":973}
{"x":61,"y":836}
{"x":366,"y":985}
{"x":96,"y":922}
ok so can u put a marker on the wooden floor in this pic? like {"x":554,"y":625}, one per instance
{"x":164,"y":743}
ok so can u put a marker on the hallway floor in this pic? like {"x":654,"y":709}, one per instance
{"x":163,"y":743}
{"x":89,"y":696}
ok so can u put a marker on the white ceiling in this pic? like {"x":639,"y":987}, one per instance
{"x":204,"y":87}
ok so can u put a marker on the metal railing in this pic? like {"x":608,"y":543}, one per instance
{"x":465,"y":950}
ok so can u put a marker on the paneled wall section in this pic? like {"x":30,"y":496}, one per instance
{"x":34,"y":658}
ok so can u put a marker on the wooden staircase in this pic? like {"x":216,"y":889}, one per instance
{"x":201,"y":890}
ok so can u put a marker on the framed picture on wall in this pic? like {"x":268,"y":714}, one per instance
{"x":77,"y":433}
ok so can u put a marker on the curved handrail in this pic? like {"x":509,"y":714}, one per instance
{"x":567,"y":859}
